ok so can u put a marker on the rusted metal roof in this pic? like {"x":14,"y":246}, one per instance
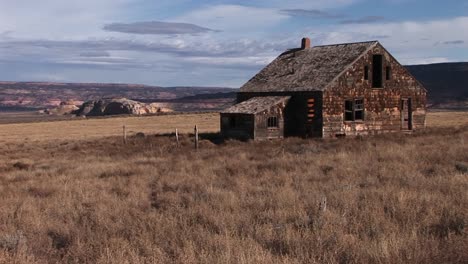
{"x":310,"y":69}
{"x":256,"y":105}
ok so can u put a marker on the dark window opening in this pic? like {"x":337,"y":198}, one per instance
{"x":272,"y":122}
{"x":232,"y":122}
{"x":388,"y":73}
{"x":349,"y":110}
{"x":366,"y":72}
{"x":377,"y":70}
{"x":354,"y":110}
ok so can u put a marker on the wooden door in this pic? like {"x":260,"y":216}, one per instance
{"x":406,"y":114}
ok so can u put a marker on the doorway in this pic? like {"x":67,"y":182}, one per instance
{"x":406,"y":114}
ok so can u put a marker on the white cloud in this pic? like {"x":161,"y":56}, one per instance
{"x":67,"y":38}
{"x":415,"y":35}
{"x":303,"y":4}
{"x":411,"y":41}
{"x":415,"y":61}
{"x":234,"y":18}
{"x":248,"y":61}
{"x":58,"y":18}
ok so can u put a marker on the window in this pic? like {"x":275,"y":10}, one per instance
{"x":359,"y":109}
{"x":354,"y":110}
{"x":272,"y":122}
{"x":388,"y":73}
{"x":366,"y":72}
{"x":232,"y":122}
{"x":377,"y":71}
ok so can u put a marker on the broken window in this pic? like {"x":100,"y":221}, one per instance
{"x":366,"y":72}
{"x":388,"y":73}
{"x":359,"y":109}
{"x":272,"y":122}
{"x":354,"y":110}
{"x":377,"y":71}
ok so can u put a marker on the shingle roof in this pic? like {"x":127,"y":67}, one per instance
{"x":306,"y":69}
{"x":256,"y":105}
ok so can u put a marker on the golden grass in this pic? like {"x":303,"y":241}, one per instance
{"x":390,"y":199}
{"x":447,"y":119}
{"x":105,"y":127}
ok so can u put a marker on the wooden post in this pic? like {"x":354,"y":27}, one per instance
{"x":177,"y":137}
{"x":124,"y":134}
{"x":196,"y":137}
{"x":323,"y":204}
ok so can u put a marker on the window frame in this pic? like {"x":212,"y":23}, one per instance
{"x":353,"y":108}
{"x":272,"y":122}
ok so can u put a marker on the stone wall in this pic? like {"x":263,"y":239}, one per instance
{"x":381,"y":105}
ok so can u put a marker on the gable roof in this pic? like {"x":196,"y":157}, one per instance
{"x":310,"y":69}
{"x":256,"y":105}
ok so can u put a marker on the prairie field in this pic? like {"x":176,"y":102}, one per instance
{"x":73,"y":192}
{"x":95,"y":128}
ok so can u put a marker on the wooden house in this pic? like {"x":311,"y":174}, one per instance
{"x":328,"y":91}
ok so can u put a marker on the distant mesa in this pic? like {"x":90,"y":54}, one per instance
{"x":104,"y":107}
{"x":64,"y":108}
{"x":120,"y":106}
{"x":31,"y":96}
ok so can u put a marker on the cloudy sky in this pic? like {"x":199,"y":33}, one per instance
{"x":210,"y":42}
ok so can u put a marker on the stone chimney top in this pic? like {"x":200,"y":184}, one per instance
{"x":305,"y":43}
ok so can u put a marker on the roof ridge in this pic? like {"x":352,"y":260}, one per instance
{"x":347,"y":43}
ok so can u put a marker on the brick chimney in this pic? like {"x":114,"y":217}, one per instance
{"x":305,"y":43}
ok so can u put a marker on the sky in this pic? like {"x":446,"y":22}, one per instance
{"x":210,"y":42}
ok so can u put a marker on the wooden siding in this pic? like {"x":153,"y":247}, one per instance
{"x":262,"y":131}
{"x":381,"y":105}
{"x":254,"y":126}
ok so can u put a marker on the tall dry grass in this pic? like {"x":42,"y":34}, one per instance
{"x":389,"y":199}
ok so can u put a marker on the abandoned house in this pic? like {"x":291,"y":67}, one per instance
{"x":327,"y":91}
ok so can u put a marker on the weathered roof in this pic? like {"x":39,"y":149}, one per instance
{"x":256,"y":105}
{"x":309,"y":69}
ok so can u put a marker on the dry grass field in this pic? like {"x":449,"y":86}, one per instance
{"x":94,"y":128}
{"x":74,"y":193}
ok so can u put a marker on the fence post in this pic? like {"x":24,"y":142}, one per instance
{"x":196,"y":137}
{"x":323,"y":204}
{"x":124,"y":134}
{"x":177,"y":137}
